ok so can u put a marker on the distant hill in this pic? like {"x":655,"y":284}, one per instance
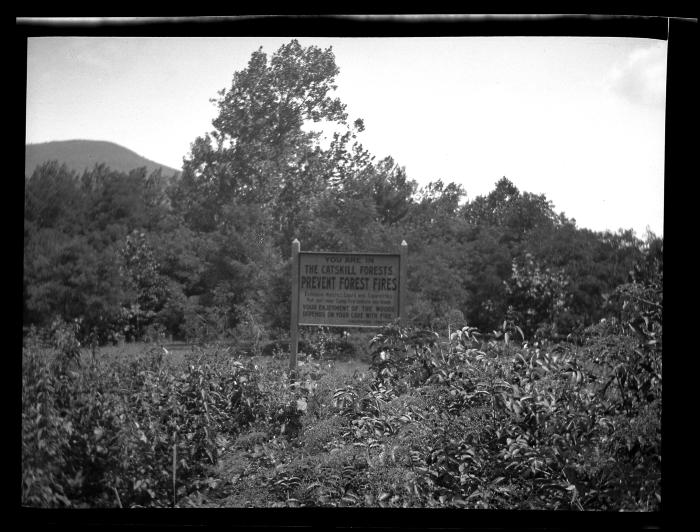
{"x":80,"y":155}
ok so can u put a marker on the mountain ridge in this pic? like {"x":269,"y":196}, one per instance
{"x":83,"y":154}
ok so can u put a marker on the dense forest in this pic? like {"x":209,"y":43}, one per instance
{"x":206,"y":254}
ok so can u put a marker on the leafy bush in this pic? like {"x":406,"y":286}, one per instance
{"x":467,"y":420}
{"x":526,"y":426}
{"x":402,"y":357}
{"x":126,"y":433}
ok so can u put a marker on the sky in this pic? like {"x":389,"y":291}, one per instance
{"x":579,"y":119}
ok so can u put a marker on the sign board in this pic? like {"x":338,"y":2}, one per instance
{"x":345,"y":290}
{"x":348,"y":289}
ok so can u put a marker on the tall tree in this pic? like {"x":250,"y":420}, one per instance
{"x":262,"y":176}
{"x":53,"y":198}
{"x":393,"y":191}
{"x":514,"y":213}
{"x":259,"y":152}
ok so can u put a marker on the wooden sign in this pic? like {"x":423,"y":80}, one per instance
{"x":346,"y":290}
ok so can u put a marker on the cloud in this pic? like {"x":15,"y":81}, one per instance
{"x":641,"y":78}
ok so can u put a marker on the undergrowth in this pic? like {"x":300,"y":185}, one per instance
{"x":460,"y":420}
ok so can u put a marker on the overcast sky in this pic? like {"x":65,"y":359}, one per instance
{"x":580,"y":120}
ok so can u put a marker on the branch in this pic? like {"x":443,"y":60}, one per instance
{"x":657,"y":305}
{"x":119,"y":502}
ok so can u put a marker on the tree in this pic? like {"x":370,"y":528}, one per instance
{"x":149,"y":288}
{"x":515,"y":214}
{"x":53,"y":198}
{"x":433,"y":212}
{"x":539,"y":296}
{"x":261,"y":177}
{"x":259,"y":152}
{"x":393,"y":191}
{"x":437,"y":239}
{"x":65,"y":276}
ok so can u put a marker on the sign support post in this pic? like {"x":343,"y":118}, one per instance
{"x":294,"y":329}
{"x":403,"y":279}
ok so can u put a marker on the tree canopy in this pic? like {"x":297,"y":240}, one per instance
{"x":132,"y":255}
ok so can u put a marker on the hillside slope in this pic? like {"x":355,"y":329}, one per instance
{"x":80,"y":155}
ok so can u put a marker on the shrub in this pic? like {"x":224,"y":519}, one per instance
{"x":108,"y":434}
{"x":529,"y":426}
{"x":468,"y":420}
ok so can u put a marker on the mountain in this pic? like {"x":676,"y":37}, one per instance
{"x":80,"y":155}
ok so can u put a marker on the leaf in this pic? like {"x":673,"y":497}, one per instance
{"x":313,"y":486}
{"x":516,"y":407}
{"x":474,"y":495}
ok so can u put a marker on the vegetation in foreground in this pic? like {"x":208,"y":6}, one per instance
{"x":456,"y":419}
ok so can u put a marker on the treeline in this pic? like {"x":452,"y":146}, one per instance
{"x":134,"y":256}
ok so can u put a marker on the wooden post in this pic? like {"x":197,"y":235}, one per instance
{"x":403,"y":279}
{"x":294,"y":328}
